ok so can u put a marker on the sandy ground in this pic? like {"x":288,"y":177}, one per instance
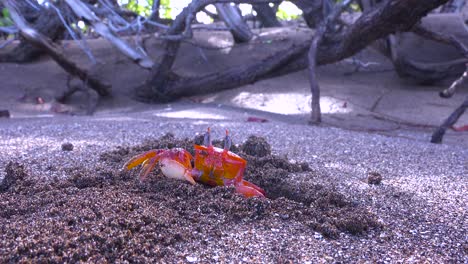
{"x":374,"y":122}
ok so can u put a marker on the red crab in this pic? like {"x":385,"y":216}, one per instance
{"x":213,"y":166}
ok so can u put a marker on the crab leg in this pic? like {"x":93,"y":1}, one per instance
{"x":227,"y":142}
{"x":140,"y":159}
{"x":148,"y":166}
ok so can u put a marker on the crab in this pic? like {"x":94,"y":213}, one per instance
{"x":212,"y":166}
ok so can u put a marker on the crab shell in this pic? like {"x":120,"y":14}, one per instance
{"x":218,"y":167}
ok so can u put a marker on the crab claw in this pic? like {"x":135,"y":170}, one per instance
{"x":249,"y":189}
{"x":176,"y":170}
{"x":175,"y":163}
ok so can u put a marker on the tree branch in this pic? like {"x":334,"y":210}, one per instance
{"x":449,"y":122}
{"x":82,"y":11}
{"x":439,"y":37}
{"x":449,"y":92}
{"x":385,"y":18}
{"x":312,"y":57}
{"x":40,"y":41}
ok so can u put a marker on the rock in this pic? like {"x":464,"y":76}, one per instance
{"x":191,"y":259}
{"x":256,"y":146}
{"x":67,"y":146}
{"x":374,"y":178}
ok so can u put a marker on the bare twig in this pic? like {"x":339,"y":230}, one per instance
{"x":179,"y":30}
{"x":9,"y":30}
{"x":385,"y":18}
{"x":358,"y":65}
{"x":54,"y":50}
{"x":82,"y":11}
{"x":439,"y":37}
{"x":312,"y":56}
{"x":449,"y":92}
{"x":82,"y":43}
{"x":155,"y":10}
{"x":209,"y":27}
{"x":6,"y":43}
{"x":33,"y":5}
{"x":453,"y":6}
{"x":449,"y":122}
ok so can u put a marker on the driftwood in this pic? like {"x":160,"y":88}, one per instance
{"x":231,"y":15}
{"x":54,"y":51}
{"x":425,"y":55}
{"x":388,"y":17}
{"x":228,"y":79}
{"x":428,"y":56}
{"x":384,"y":18}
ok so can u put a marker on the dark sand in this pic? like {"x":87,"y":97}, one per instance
{"x":110,"y":216}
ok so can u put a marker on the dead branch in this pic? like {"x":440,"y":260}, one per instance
{"x":53,"y":50}
{"x":311,"y":11}
{"x":312,"y":57}
{"x":439,"y":37}
{"x":155,"y":10}
{"x":82,"y":11}
{"x":45,"y":21}
{"x":453,"y":118}
{"x":449,"y":92}
{"x":228,"y":79}
{"x":6,"y":43}
{"x":81,"y":42}
{"x":425,"y":73}
{"x":385,"y":18}
{"x":155,"y":87}
{"x":449,"y":122}
{"x":453,"y":6}
{"x":267,"y":15}
{"x":231,"y":15}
